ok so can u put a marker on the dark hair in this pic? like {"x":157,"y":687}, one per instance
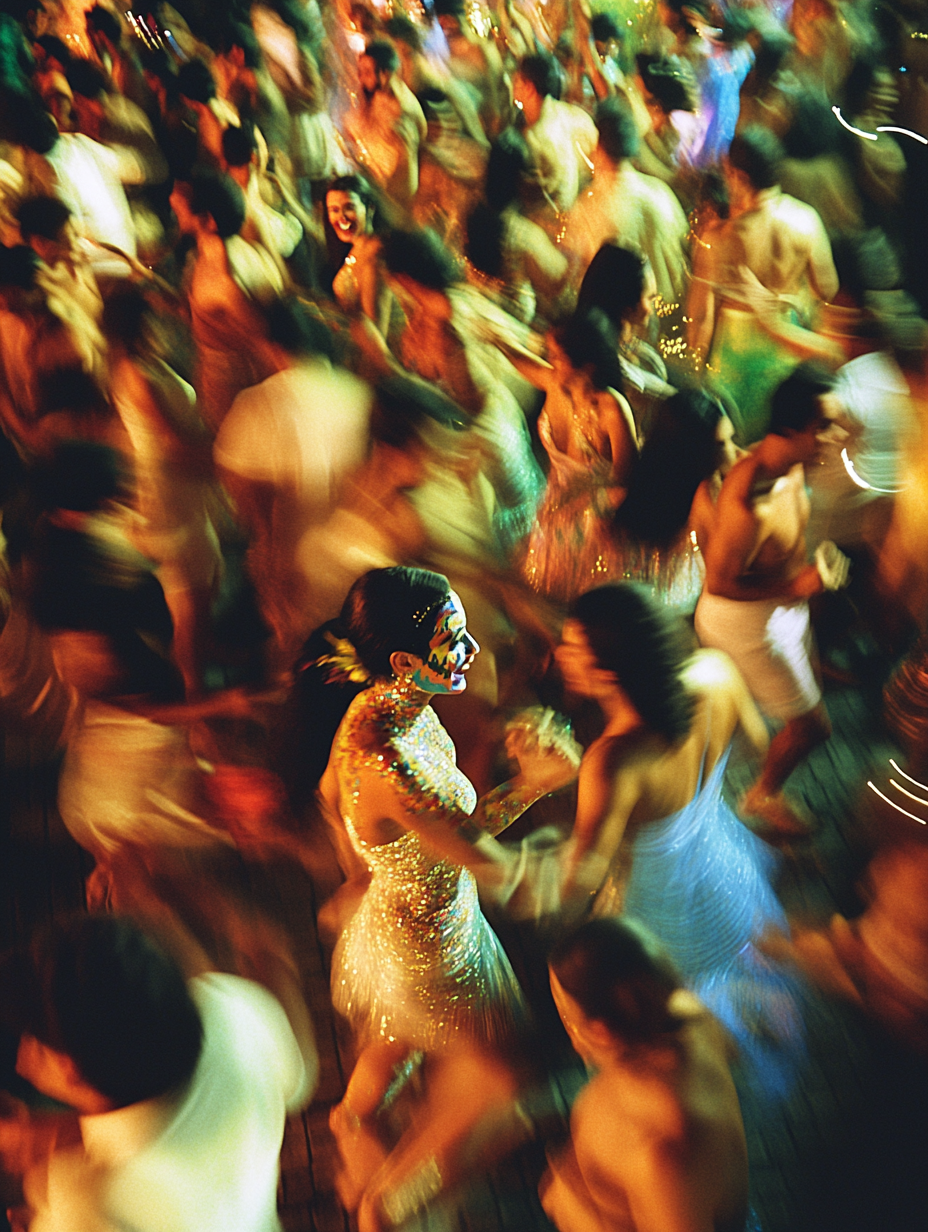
{"x":590,"y":341}
{"x":670,"y":80}
{"x":124,"y":315}
{"x":240,"y":34}
{"x":774,"y":46}
{"x":196,"y":82}
{"x":402,"y":30}
{"x":757,"y":152}
{"x":42,"y":216}
{"x":618,"y":134}
{"x":859,"y":81}
{"x":336,"y":249}
{"x":813,"y":129}
{"x":385,"y":56}
{"x":680,"y":451}
{"x":97,"y":989}
{"x":86,"y":79}
{"x":393,"y":609}
{"x":101,"y":19}
{"x":217,"y":194}
{"x":448,"y":8}
{"x":238,"y":144}
{"x":634,"y":636}
{"x":508,"y":162}
{"x":794,"y":406}
{"x":291,"y":325}
{"x":614,"y":282}
{"x":619,"y":975}
{"x":541,"y":69}
{"x":18,"y":266}
{"x":54,"y":48}
{"x":422,"y":256}
{"x":604,"y":27}
{"x":81,"y":476}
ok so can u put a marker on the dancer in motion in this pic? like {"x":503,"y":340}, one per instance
{"x":653,"y":836}
{"x":418,"y":968}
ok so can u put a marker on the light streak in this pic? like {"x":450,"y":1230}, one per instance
{"x":862,"y":483}
{"x":892,"y":804}
{"x":917,"y":799}
{"x":881,"y":128}
{"x":898,"y":769}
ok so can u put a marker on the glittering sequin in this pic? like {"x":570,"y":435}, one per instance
{"x":417,"y":962}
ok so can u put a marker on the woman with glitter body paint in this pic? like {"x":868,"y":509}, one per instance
{"x":418,"y":969}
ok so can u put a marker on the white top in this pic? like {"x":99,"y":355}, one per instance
{"x":89,"y":185}
{"x":205,"y":1162}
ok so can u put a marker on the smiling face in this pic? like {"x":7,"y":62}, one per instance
{"x":451,"y":652}
{"x":347,"y":215}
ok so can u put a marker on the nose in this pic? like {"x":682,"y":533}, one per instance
{"x":471,"y":646}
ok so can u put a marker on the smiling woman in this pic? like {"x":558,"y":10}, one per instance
{"x":418,"y":968}
{"x":358,"y":281}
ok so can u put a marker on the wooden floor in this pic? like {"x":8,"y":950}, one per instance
{"x":845,"y":1153}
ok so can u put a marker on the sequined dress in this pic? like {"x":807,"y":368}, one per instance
{"x":417,"y":962}
{"x":574,"y":547}
{"x":700,"y":881}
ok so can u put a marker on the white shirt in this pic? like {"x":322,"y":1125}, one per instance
{"x":206,"y":1161}
{"x":89,"y":185}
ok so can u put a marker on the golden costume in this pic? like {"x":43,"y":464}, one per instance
{"x":417,"y":962}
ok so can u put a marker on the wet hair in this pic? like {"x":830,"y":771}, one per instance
{"x":291,"y":325}
{"x":43,"y":217}
{"x":757,"y":152}
{"x":239,"y":143}
{"x":393,"y":609}
{"x":670,"y":80}
{"x":618,"y":134}
{"x":614,"y":282}
{"x":619,"y":975}
{"x":215,"y":193}
{"x":18,"y":267}
{"x":81,"y":476}
{"x":631,"y":634}
{"x":541,"y":69}
{"x":422,"y":256}
{"x":590,"y":341}
{"x":604,"y":27}
{"x":102,"y":992}
{"x":680,"y":451}
{"x":196,"y":82}
{"x":86,"y":79}
{"x":794,"y":406}
{"x":385,"y":56}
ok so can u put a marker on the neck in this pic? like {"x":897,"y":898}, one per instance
{"x":400,"y":695}
{"x":620,"y":715}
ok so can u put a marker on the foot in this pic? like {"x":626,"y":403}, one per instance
{"x":781,"y":821}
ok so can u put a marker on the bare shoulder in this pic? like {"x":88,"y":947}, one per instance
{"x":799,"y":216}
{"x":710,"y":671}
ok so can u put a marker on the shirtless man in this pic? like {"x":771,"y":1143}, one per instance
{"x":657,"y":1141}
{"x":388,"y":125}
{"x":754,"y":604}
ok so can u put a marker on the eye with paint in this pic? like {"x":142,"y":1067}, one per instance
{"x":451,"y":652}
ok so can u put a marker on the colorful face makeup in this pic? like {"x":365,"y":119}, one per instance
{"x":451,"y":652}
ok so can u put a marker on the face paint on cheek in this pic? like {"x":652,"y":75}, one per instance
{"x":450,"y":650}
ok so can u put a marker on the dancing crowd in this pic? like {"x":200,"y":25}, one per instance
{"x":388,"y":391}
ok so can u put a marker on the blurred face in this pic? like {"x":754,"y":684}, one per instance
{"x":579,"y":668}
{"x":644,"y":309}
{"x":347,"y":215}
{"x":368,"y":77}
{"x":728,"y":452}
{"x":588,"y":1037}
{"x":451,"y":652}
{"x":823,"y":432}
{"x":524,"y":93}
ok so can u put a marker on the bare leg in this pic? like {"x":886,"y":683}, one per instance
{"x":352,"y":1121}
{"x":788,"y":748}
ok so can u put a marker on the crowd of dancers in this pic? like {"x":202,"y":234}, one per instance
{"x":380,"y":383}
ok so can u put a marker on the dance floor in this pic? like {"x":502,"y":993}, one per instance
{"x":847,"y":1151}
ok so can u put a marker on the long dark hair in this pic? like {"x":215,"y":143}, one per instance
{"x":680,"y":451}
{"x":614,"y":282}
{"x":337,"y":250}
{"x":508,"y":162}
{"x":590,"y":341}
{"x":618,"y":974}
{"x":632,"y":635}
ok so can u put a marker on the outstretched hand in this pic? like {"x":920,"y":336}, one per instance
{"x":542,"y":767}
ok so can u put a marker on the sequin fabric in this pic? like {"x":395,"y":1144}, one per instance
{"x":417,"y":962}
